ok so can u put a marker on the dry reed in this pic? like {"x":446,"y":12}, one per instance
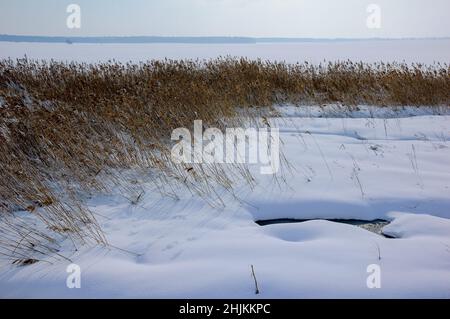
{"x":67,"y":129}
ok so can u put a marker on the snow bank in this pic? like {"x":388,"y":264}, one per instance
{"x":409,"y":226}
{"x":347,"y":168}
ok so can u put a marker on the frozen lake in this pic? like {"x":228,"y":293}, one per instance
{"x":421,"y":51}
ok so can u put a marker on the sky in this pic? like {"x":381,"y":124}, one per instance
{"x":252,"y":18}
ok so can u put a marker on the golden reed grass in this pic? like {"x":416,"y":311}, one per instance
{"x":68,"y":129}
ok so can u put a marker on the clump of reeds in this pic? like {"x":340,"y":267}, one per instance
{"x":67,"y":129}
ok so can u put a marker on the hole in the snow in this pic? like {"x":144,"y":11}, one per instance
{"x":374,"y":226}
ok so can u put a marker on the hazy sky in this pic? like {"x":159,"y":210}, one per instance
{"x":256,"y":18}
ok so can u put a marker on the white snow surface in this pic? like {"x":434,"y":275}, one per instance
{"x":187,"y":249}
{"x":426,"y":51}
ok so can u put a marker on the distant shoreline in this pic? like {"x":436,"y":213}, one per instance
{"x":186,"y":40}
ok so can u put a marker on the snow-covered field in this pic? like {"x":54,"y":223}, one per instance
{"x":388,"y":166}
{"x":366,"y":165}
{"x":409,"y":51}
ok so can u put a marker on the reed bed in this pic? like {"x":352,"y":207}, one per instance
{"x":70,"y":129}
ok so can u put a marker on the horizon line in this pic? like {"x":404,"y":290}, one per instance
{"x":188,"y":39}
